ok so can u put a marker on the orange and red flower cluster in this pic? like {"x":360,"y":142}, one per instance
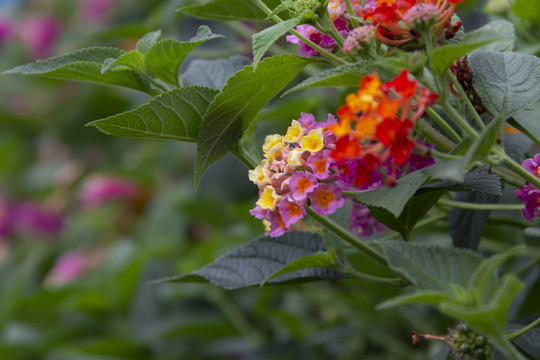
{"x":375,"y":125}
{"x":396,"y":20}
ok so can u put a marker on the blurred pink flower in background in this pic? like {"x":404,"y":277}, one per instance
{"x":6,"y":28}
{"x":72,"y":265}
{"x":95,"y":11}
{"x":101,"y":189}
{"x":39,"y":34}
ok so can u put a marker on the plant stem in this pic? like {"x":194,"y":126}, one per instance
{"x":523,"y":330}
{"x":430,"y":133}
{"x":394,"y":282}
{"x":348,"y":237}
{"x":476,"y":206}
{"x":459,"y":88}
{"x":350,"y":10}
{"x":444,"y":124}
{"x":513,"y":165}
{"x":459,"y":119}
{"x":444,"y":155}
{"x":321,"y":51}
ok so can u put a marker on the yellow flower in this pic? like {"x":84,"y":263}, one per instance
{"x":294,"y":132}
{"x":295,"y":157}
{"x":313,"y":141}
{"x":259,"y":175}
{"x":272,"y":146}
{"x":269,"y":198}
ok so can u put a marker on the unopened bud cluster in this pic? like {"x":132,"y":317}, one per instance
{"x":463,"y":341}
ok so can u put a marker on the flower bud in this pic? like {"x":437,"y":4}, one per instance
{"x":359,"y":39}
{"x":421,"y":16}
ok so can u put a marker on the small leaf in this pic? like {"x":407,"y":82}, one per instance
{"x":131,"y":60}
{"x":430,"y":267}
{"x":164,"y":58}
{"x":265,"y":38}
{"x":251,"y":264}
{"x":443,"y":57}
{"x":466,"y":225}
{"x":393,"y":198}
{"x":82,"y":65}
{"x":212,"y":73}
{"x":174,"y":115}
{"x":321,"y":260}
{"x":147,"y":41}
{"x":506,"y":82}
{"x":241,"y":10}
{"x":424,"y":297}
{"x":499,"y":34}
{"x":241,"y":99}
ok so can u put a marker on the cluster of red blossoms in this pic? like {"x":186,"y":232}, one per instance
{"x":375,"y":125}
{"x":370,"y":146}
{"x":398,"y":21}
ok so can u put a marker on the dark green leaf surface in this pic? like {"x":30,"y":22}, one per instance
{"x":251,"y":264}
{"x":242,"y":10}
{"x":240,"y":100}
{"x":82,"y":65}
{"x":174,"y":115}
{"x":506,"y":82}
{"x":430,"y":267}
{"x":164,"y":58}
{"x":322,"y":260}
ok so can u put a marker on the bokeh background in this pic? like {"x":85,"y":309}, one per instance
{"x":87,"y":220}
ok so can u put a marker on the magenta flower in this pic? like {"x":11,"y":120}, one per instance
{"x":6,"y":219}
{"x":302,"y":184}
{"x":323,"y":40}
{"x":102,"y":189}
{"x":326,"y":199}
{"x":39,"y":34}
{"x":6,"y":29}
{"x":95,"y":11}
{"x":277,"y":226}
{"x":362,"y":222}
{"x":36,"y":220}
{"x":291,"y":211}
{"x":532,"y":165}
{"x":72,"y":265}
{"x":319,"y":163}
{"x":529,"y":194}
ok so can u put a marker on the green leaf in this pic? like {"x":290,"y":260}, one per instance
{"x":131,"y":60}
{"x":430,"y":267}
{"x":393,"y":198}
{"x":527,"y":9}
{"x":530,"y":342}
{"x":265,"y":38}
{"x":443,"y":57}
{"x":174,"y":115}
{"x":480,"y":180}
{"x":529,"y":122}
{"x":147,"y":41}
{"x":321,"y":260}
{"x":506,"y":82}
{"x":251,"y":264}
{"x":240,"y":100}
{"x":164,"y":58}
{"x":82,"y":65}
{"x":212,"y":73}
{"x":499,"y":36}
{"x":425,"y":297}
{"x":242,"y":10}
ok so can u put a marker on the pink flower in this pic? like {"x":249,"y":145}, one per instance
{"x":96,"y":10}
{"x":102,"y":189}
{"x":326,"y":199}
{"x":72,"y":265}
{"x":36,"y":220}
{"x":302,"y":184}
{"x":531,"y":197}
{"x":39,"y":33}
{"x":362,"y":222}
{"x":6,"y":29}
{"x":277,"y":226}
{"x":319,"y":164}
{"x":291,"y":211}
{"x":323,"y":40}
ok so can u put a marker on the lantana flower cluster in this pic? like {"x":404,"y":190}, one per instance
{"x":370,"y":146}
{"x":529,"y":194}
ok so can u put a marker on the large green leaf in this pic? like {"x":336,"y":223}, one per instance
{"x":430,"y":267}
{"x":242,"y":10}
{"x":506,"y":82}
{"x":443,"y":57}
{"x":131,"y":60}
{"x":147,"y":41}
{"x":393,"y":199}
{"x":240,"y":100}
{"x":265,"y":38}
{"x":253,"y":263}
{"x":163,"y":58}
{"x":82,"y":65}
{"x":174,"y":115}
{"x":499,"y":35}
{"x":212,"y":73}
